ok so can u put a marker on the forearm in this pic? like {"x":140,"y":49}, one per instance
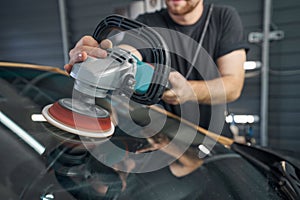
{"x":229,"y":86}
{"x":220,"y":90}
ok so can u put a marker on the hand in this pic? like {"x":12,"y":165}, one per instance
{"x":180,"y":92}
{"x":87,"y":46}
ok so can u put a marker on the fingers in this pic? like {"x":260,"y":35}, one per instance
{"x":68,"y":68}
{"x":106,"y":44}
{"x":87,"y":46}
{"x":80,"y":57}
{"x":181,"y":90}
{"x":78,"y":54}
{"x":170,"y":97}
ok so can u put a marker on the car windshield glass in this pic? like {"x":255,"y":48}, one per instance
{"x":140,"y":152}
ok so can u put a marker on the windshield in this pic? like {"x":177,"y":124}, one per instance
{"x":161,"y":159}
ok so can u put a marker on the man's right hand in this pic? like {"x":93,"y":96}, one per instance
{"x":87,"y":46}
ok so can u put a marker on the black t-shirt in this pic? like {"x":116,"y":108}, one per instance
{"x":224,"y":34}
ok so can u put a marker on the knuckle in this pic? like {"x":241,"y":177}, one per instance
{"x":85,"y":39}
{"x":71,"y":52}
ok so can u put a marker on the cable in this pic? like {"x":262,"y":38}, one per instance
{"x":201,"y":41}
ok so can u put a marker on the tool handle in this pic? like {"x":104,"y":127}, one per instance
{"x":158,"y":48}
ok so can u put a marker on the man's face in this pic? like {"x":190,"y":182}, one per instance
{"x":181,"y":7}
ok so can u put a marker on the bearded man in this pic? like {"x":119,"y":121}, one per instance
{"x":218,"y":32}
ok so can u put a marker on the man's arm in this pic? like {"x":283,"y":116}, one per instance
{"x":227,"y":88}
{"x":224,"y":89}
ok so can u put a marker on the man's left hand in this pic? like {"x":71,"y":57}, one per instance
{"x":180,"y":92}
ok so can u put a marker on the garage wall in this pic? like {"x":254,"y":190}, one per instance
{"x":84,"y":16}
{"x":284,"y":108}
{"x":30,"y":32}
{"x":251,"y":13}
{"x":31,"y":29}
{"x":284,"y":73}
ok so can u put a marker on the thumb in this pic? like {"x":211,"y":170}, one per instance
{"x":176,"y":79}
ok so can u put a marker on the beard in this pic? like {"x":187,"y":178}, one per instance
{"x":181,"y":7}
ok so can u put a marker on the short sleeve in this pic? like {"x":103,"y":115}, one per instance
{"x":232,"y":33}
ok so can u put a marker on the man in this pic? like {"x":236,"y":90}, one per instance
{"x":223,"y":41}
